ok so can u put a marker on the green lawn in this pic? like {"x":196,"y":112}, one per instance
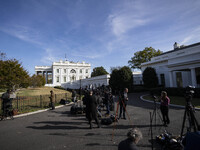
{"x":178,"y":100}
{"x":40,"y":91}
{"x":33,"y":99}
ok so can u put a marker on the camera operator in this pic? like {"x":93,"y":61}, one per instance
{"x":91,"y":109}
{"x":52,"y":100}
{"x":123,"y":99}
{"x":134,"y":136}
{"x":7,"y":101}
{"x":164,"y":107}
{"x":107,"y":101}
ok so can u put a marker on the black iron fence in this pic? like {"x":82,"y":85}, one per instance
{"x":32,"y":103}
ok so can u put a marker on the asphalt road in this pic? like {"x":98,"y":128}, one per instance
{"x":58,"y":129}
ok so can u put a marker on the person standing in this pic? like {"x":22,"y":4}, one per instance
{"x":6,"y":100}
{"x":107,"y":101}
{"x":134,"y":135}
{"x":52,"y":100}
{"x":74,"y":96}
{"x":164,"y":107}
{"x":123,"y":102}
{"x":91,"y":106}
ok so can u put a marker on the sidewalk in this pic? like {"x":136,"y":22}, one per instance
{"x":39,"y":111}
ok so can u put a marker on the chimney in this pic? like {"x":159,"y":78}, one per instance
{"x":176,"y":45}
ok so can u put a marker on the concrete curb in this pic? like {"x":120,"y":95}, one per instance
{"x":39,"y":111}
{"x":173,"y":105}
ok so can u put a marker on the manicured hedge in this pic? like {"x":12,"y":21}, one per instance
{"x":174,"y":91}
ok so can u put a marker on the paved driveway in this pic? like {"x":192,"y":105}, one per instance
{"x":59,"y":130}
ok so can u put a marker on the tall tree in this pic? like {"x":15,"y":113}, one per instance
{"x":98,"y":71}
{"x":121,"y":78}
{"x":12,"y":74}
{"x":150,"y":78}
{"x":37,"y":80}
{"x":143,"y":56}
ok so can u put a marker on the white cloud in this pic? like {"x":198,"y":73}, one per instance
{"x":192,"y":36}
{"x":127,"y":16}
{"x":50,"y":56}
{"x":123,"y":23}
{"x":23,"y":33}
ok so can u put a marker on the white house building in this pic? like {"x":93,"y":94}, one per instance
{"x":137,"y":78}
{"x":92,"y":82}
{"x":179,"y":67}
{"x":64,"y":71}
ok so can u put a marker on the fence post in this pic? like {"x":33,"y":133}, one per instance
{"x":36,"y":100}
{"x":55,"y":98}
{"x":23,"y":102}
{"x":41,"y":101}
{"x":66,"y":96}
{"x":17,"y":103}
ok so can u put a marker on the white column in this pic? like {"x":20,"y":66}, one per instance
{"x":46,"y":77}
{"x":53,"y":76}
{"x":60,"y":70}
{"x":170,"y":79}
{"x":193,"y":76}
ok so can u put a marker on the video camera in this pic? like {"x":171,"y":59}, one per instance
{"x":189,"y":93}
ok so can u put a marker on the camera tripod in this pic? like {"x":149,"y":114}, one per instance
{"x":155,"y":111}
{"x":116,"y":115}
{"x":193,"y":123}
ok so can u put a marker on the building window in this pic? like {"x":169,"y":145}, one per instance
{"x":80,"y":70}
{"x":57,"y":70}
{"x":65,"y":70}
{"x":73,"y":71}
{"x":73,"y":78}
{"x":65,"y":79}
{"x":87,"y":77}
{"x":86,"y":71}
{"x":197,"y":70}
{"x":162,"y":79}
{"x":179,"y":80}
{"x":57,"y":79}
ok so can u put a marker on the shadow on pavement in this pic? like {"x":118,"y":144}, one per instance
{"x":60,"y":122}
{"x":92,"y":144}
{"x":50,"y":127}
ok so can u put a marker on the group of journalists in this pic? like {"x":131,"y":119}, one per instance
{"x":102,"y":97}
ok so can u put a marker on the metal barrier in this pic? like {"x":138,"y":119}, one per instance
{"x":32,"y":103}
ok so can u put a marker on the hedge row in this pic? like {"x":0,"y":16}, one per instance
{"x":174,"y":91}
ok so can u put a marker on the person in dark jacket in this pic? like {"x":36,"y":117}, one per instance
{"x":52,"y":100}
{"x":91,"y":106}
{"x":134,"y":135}
{"x":74,"y":96}
{"x":107,"y":101}
{"x":123,"y":102}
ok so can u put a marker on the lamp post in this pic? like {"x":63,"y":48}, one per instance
{"x":80,"y":90}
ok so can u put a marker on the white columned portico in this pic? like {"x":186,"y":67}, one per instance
{"x":193,"y":76}
{"x":170,"y":79}
{"x":46,"y":77}
{"x":60,"y":75}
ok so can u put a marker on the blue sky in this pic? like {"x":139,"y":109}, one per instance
{"x":101,"y":32}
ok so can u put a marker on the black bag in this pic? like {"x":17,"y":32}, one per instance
{"x":112,"y":107}
{"x":63,"y":102}
{"x":77,"y":109}
{"x":106,"y":121}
